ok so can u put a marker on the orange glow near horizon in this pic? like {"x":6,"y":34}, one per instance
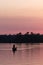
{"x":21,"y":16}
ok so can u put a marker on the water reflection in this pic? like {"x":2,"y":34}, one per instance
{"x":35,"y":56}
{"x":26,"y":54}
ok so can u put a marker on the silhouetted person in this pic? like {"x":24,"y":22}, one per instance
{"x":13,"y":46}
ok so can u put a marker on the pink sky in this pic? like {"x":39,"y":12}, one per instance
{"x":21,"y":16}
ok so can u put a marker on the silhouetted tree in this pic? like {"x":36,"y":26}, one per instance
{"x":22,"y":38}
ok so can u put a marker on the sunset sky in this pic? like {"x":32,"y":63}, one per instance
{"x":21,"y":16}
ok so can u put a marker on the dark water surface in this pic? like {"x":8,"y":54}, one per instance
{"x":26,"y":54}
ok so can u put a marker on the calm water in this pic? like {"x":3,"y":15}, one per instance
{"x":26,"y":54}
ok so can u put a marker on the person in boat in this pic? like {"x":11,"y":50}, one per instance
{"x":14,"y":48}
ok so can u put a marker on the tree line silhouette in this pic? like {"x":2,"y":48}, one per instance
{"x":22,"y":38}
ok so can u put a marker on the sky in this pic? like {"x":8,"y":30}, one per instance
{"x":21,"y":16}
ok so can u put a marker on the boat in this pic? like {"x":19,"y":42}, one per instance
{"x":14,"y":48}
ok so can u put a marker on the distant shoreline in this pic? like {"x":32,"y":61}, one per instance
{"x":22,"y":38}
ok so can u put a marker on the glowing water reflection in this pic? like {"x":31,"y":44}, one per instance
{"x":26,"y":54}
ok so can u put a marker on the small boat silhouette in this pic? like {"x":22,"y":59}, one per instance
{"x":14,"y":48}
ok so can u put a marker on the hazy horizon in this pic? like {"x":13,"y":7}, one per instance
{"x":21,"y":16}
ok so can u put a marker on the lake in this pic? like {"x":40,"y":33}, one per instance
{"x":26,"y":54}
